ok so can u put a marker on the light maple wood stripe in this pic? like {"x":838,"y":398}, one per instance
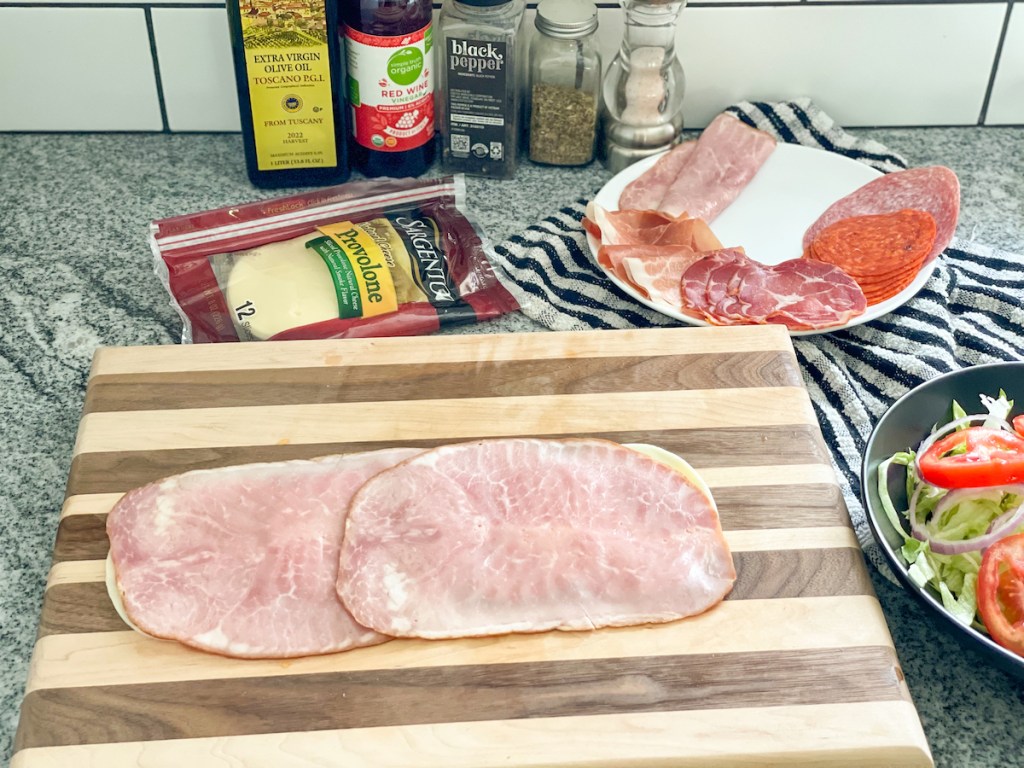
{"x":715,"y":477}
{"x":76,"y":572}
{"x":439,"y":349}
{"x":781,"y":474}
{"x":89,"y":504}
{"x":129,"y":658}
{"x":826,"y":735}
{"x":464,"y":419}
{"x":759,"y":540}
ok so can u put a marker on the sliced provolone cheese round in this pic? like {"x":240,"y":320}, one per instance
{"x":672,"y":461}
{"x":115,"y":595}
{"x":279,"y":286}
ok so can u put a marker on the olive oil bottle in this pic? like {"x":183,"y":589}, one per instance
{"x":288,"y":71}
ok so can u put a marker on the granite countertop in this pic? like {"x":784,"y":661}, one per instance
{"x":77,"y":273}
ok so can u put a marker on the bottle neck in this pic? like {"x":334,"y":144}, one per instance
{"x":651,"y":24}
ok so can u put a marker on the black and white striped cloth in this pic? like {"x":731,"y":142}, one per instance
{"x":969,"y":312}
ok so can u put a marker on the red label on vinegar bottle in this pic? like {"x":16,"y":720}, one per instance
{"x":391,"y":89}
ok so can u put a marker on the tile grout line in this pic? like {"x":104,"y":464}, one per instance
{"x":983,"y":115}
{"x":156,"y":69}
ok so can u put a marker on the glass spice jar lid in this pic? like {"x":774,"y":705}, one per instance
{"x":566,"y":18}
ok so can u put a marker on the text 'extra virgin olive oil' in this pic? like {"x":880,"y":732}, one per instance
{"x":288,"y":71}
{"x":390,"y":85}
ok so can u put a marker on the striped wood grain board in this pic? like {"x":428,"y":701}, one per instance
{"x":795,"y":667}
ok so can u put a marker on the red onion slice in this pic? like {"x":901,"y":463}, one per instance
{"x":1000,"y":527}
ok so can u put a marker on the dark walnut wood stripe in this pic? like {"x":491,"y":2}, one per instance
{"x":116,"y":472}
{"x":210,"y":389}
{"x":85,"y":607}
{"x":197,"y":709}
{"x":84,"y":537}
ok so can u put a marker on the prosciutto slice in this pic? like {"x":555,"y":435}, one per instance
{"x":727,"y":156}
{"x":659,"y":278}
{"x":243,"y":560}
{"x":528,"y":535}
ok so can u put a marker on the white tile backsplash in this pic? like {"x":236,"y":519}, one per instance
{"x":873,"y":63}
{"x":196,"y":68}
{"x":90,"y":69}
{"x":1007,"y":103}
{"x":864,"y":65}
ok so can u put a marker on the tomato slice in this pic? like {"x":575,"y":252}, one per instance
{"x":1018,"y":424}
{"x":1001,"y":592}
{"x":976,"y":457}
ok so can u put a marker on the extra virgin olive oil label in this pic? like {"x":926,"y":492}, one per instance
{"x":289,"y":74}
{"x":478,"y":99}
{"x":391,"y":89}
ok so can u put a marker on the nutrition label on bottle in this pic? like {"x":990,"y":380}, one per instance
{"x":478,"y":100}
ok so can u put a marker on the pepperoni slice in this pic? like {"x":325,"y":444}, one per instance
{"x":882,"y":252}
{"x":934,"y":189}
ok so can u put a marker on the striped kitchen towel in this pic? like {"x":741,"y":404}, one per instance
{"x":968,"y":313}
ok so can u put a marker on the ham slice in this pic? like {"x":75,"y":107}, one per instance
{"x":727,"y":156}
{"x":528,"y":535}
{"x":647,"y":190}
{"x":243,"y":560}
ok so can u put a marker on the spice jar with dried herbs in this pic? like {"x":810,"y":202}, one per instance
{"x":564,"y":83}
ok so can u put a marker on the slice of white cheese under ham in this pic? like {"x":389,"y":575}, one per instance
{"x":529,"y":535}
{"x":242,"y":561}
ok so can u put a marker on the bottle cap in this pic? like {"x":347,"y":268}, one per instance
{"x":566,"y":18}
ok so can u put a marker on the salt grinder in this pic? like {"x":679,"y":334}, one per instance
{"x":642,"y":91}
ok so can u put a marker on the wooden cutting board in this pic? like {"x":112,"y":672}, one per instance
{"x":796,"y":667}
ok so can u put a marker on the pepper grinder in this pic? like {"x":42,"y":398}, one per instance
{"x":642,"y":91}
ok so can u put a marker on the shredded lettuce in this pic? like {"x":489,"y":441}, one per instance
{"x":953,"y":577}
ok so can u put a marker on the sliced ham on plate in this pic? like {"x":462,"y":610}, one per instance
{"x":709,"y":176}
{"x":647,"y":190}
{"x":242,"y":561}
{"x":528,"y":535}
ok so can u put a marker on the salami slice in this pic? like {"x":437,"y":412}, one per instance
{"x":934,"y":189}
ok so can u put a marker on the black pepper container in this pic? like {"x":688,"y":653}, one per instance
{"x":481,"y":52}
{"x":564,"y":83}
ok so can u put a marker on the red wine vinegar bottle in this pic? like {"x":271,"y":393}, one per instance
{"x":390,"y":85}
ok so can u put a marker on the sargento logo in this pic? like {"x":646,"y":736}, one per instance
{"x":433,"y":277}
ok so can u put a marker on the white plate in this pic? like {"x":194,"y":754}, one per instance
{"x":768,"y":219}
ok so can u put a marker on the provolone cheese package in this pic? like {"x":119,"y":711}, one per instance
{"x":383,"y":257}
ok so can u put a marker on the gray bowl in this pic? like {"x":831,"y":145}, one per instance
{"x":907,"y":422}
